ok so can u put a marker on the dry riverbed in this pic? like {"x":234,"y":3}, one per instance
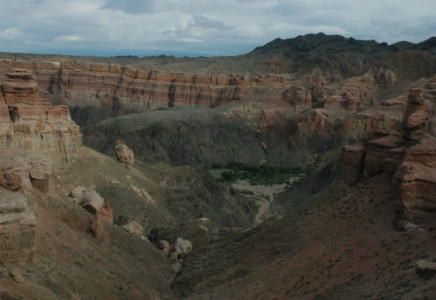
{"x":263,"y":195}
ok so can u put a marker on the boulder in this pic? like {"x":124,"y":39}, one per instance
{"x":107,"y":213}
{"x":425,"y":269}
{"x":166,"y":247}
{"x":173,"y":256}
{"x":134,"y":228}
{"x":182,"y":247}
{"x":88,"y":198}
{"x":77,"y":192}
{"x":97,"y":227}
{"x":164,"y":244}
{"x":124,"y":153}
{"x":16,"y":276}
{"x":9,"y":180}
{"x":143,"y":194}
{"x":40,"y":172}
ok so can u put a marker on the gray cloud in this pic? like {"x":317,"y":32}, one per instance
{"x":226,"y":27}
{"x":204,"y":22}
{"x":133,"y":7}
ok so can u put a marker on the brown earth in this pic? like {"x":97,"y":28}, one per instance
{"x":340,"y":244}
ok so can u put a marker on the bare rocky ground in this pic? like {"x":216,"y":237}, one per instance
{"x":70,"y":263}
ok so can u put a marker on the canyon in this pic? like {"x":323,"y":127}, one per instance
{"x":104,"y":171}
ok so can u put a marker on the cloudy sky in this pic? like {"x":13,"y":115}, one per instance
{"x":199,"y":27}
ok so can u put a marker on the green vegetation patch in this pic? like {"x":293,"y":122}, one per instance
{"x":259,"y":175}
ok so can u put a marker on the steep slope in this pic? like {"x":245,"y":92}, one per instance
{"x":337,"y":243}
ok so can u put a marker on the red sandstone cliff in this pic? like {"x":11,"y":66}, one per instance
{"x":409,"y":158}
{"x":122,"y":88}
{"x":34,"y":136}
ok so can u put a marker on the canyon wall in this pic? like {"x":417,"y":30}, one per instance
{"x":123,"y":88}
{"x":108,"y":90}
{"x":408,"y":157}
{"x":34,"y":136}
{"x":29,"y":122}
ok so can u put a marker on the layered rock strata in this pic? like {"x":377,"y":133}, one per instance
{"x":410,"y":158}
{"x":17,"y":209}
{"x":29,"y":122}
{"x":34,"y":136}
{"x":122,"y":88}
{"x":113,"y":90}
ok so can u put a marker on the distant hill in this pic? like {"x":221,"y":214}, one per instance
{"x":332,"y":54}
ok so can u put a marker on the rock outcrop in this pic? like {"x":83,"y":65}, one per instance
{"x":97,"y":227}
{"x":89,"y":199}
{"x":107,"y":213}
{"x":415,"y":117}
{"x":351,"y":162}
{"x":134,"y":228}
{"x":29,"y":122}
{"x":122,"y":89}
{"x":182,"y":247}
{"x":408,"y":157}
{"x":97,"y":90}
{"x":17,"y":208}
{"x":124,"y":153}
{"x":425,"y":269}
{"x":9,"y":180}
{"x":40,"y":172}
{"x":298,"y":97}
{"x":16,"y":276}
{"x":417,"y":184}
{"x":34,"y":135}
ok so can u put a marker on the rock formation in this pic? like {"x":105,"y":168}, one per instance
{"x":107,"y":213}
{"x":415,"y":117}
{"x":29,"y":122}
{"x":17,"y":208}
{"x":166,"y":247}
{"x":114,"y":90}
{"x":425,"y":269}
{"x":10,"y":180}
{"x":124,"y":153}
{"x":89,"y":199}
{"x":351,"y":162}
{"x":134,"y":228}
{"x":97,"y":227}
{"x":40,"y":173}
{"x":34,"y":135}
{"x":16,"y":276}
{"x":122,"y":88}
{"x":299,"y":97}
{"x":409,"y":158}
{"x":182,"y":247}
